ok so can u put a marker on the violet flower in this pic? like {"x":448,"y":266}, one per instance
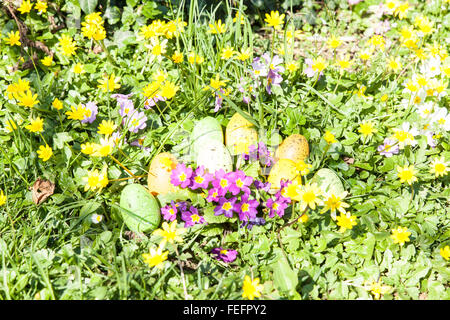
{"x":226,"y":255}
{"x":191,"y":217}
{"x":257,"y":221}
{"x":169,"y":212}
{"x":246,"y":209}
{"x":137,"y":121}
{"x":201,"y":178}
{"x":93,"y":110}
{"x":225,"y":207}
{"x":387,"y":148}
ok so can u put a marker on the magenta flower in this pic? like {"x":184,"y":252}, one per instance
{"x":181,"y":176}
{"x":191,"y":217}
{"x":276,"y":206}
{"x":222,"y":182}
{"x":93,"y":110}
{"x":246,"y":209}
{"x":239,"y":182}
{"x":225,"y":207}
{"x":181,"y":205}
{"x":213,"y":195}
{"x":226,"y":255}
{"x":151,"y":102}
{"x":201,"y":179}
{"x":169,"y":212}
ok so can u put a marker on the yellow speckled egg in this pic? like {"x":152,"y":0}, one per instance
{"x":159,"y":173}
{"x":239,"y":135}
{"x":295,"y":147}
{"x":283,"y":169}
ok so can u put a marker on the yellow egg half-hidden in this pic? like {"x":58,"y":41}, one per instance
{"x":283,"y":169}
{"x":159,"y":172}
{"x":295,"y":148}
{"x":240,"y":134}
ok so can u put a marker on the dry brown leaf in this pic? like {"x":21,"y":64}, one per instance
{"x":41,"y":190}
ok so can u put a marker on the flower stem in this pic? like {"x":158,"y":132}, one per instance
{"x":182,"y":275}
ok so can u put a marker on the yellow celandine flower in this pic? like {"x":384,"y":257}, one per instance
{"x":410,"y":43}
{"x":27,"y":99}
{"x":14,"y":89}
{"x":329,"y":137}
{"x":160,"y":76}
{"x":377,"y":41}
{"x":88,"y":148}
{"x":215,"y":83}
{"x":303,"y":168}
{"x":394,"y":64}
{"x":152,"y":89}
{"x":334,"y":203}
{"x":227,"y":53}
{"x":41,"y":6}
{"x":10,"y":125}
{"x":384,"y":98}
{"x":445,"y":252}
{"x":25,"y":7}
{"x":407,"y":174}
{"x":96,"y":180}
{"x":104,"y":148}
{"x":177,"y":57}
{"x":66,"y":45}
{"x":217,"y":28}
{"x":47,"y":61}
{"x":109,"y":84}
{"x":377,"y":289}
{"x":403,"y":137}
{"x":251,"y":288}
{"x":274,"y":20}
{"x":424,"y":24}
{"x":240,"y":17}
{"x":170,"y":233}
{"x":57,"y":104}
{"x":194,"y":58}
{"x":169,"y":89}
{"x":309,"y":197}
{"x":36,"y":125}
{"x":408,"y":32}
{"x":93,"y":27}
{"x":78,"y":68}
{"x":400,"y":235}
{"x":2,"y":198}
{"x":157,"y":47}
{"x":361,"y":91}
{"x":345,"y":62}
{"x":391,"y":5}
{"x":45,"y":152}
{"x":156,"y":257}
{"x":291,"y":67}
{"x":77,"y":113}
{"x":439,"y":167}
{"x":345,"y":222}
{"x":319,"y":64}
{"x":366,"y":128}
{"x":106,"y":127}
{"x":334,"y":42}
{"x":402,"y":10}
{"x":421,"y":54}
{"x":365,"y":54}
{"x":303,"y":218}
{"x":13,"y":38}
{"x":292,"y":191}
{"x":245,"y":54}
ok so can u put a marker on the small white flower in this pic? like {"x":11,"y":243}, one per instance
{"x":96,"y":218}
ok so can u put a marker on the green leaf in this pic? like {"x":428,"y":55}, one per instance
{"x":88,"y":6}
{"x":60,"y":138}
{"x":285,"y":279}
{"x":212,"y":230}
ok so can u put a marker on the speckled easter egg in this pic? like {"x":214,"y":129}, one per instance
{"x":283,"y":169}
{"x":206,"y":129}
{"x":295,"y":147}
{"x":328,"y":181}
{"x":215,"y":156}
{"x":240,"y":134}
{"x":139,"y":209}
{"x":159,"y":172}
